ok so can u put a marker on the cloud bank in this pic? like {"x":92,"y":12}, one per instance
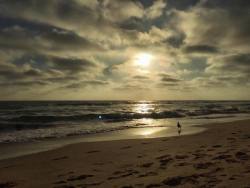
{"x":86,"y":49}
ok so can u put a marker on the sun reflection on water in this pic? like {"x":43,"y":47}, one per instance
{"x":148,"y":131}
{"x":147,"y":126}
{"x":143,"y":108}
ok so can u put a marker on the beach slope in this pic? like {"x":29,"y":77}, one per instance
{"x":217,"y":157}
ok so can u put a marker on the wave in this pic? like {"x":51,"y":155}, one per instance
{"x":32,"y":115}
{"x":33,"y":134}
{"x":35,"y":120}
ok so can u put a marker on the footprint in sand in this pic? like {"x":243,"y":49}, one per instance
{"x":64,"y":186}
{"x":182,"y":164}
{"x":242,"y":156}
{"x":164,"y":140}
{"x":160,"y":150}
{"x":181,"y":156}
{"x":60,"y":158}
{"x":217,"y":146}
{"x":61,"y":175}
{"x":203,"y":146}
{"x":98,"y":164}
{"x":210,"y":149}
{"x":60,"y":182}
{"x":165,"y":162}
{"x":93,"y":151}
{"x":153,"y":185}
{"x":123,"y":174}
{"x":145,"y":143}
{"x":81,"y":177}
{"x":199,"y":155}
{"x":180,"y":180}
{"x":146,"y":165}
{"x":203,"y":165}
{"x":234,"y":177}
{"x":127,"y":186}
{"x":7,"y":184}
{"x":163,"y":156}
{"x":89,"y":184}
{"x":231,"y":138}
{"x":223,"y":156}
{"x":147,"y":174}
{"x":126,"y":147}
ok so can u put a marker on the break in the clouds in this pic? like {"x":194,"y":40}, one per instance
{"x":124,"y":49}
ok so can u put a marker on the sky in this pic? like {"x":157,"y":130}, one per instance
{"x":124,"y":50}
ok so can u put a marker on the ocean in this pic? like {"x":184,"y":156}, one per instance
{"x":27,"y":121}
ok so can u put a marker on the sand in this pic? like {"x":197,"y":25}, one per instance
{"x":217,"y":157}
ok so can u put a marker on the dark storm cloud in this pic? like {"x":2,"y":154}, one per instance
{"x":229,"y":4}
{"x":167,"y":84}
{"x":130,"y":87}
{"x":71,"y":65}
{"x":9,"y":72}
{"x":139,"y":77}
{"x":181,"y":5}
{"x":206,"y":49}
{"x":210,"y":83}
{"x":237,"y":64}
{"x":68,"y":40}
{"x":168,"y":79}
{"x":62,"y":79}
{"x":24,"y":83}
{"x":28,"y":35}
{"x":83,"y":84}
{"x":69,"y":10}
{"x":40,"y":70}
{"x":108,"y":71}
{"x":53,"y":64}
{"x":176,"y":40}
{"x":225,"y":26}
{"x":134,"y":23}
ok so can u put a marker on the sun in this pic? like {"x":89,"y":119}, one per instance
{"x":143,"y":59}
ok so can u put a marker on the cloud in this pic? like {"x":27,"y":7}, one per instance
{"x":203,"y":49}
{"x":83,"y":84}
{"x":70,"y":65}
{"x":120,"y":10}
{"x":168,"y":81}
{"x":26,"y":84}
{"x":167,"y":78}
{"x":43,"y":38}
{"x":131,"y":87}
{"x":11,"y":72}
{"x":176,"y":40}
{"x":238,"y":64}
{"x":55,"y":45}
{"x":221,"y":26}
{"x":139,"y":77}
{"x":156,"y":10}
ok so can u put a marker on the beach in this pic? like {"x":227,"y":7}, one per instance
{"x":217,"y":157}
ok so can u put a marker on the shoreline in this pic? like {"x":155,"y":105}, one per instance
{"x":17,"y":149}
{"x":12,"y":150}
{"x":219,"y":156}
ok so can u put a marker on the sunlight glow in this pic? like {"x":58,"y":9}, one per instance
{"x":149,"y":131}
{"x":143,"y":108}
{"x":143,"y":59}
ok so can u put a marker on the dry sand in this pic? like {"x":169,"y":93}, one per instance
{"x":218,"y":157}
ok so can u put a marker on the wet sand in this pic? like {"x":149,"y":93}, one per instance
{"x":217,"y":157}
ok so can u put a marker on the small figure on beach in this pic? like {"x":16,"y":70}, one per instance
{"x":179,"y":128}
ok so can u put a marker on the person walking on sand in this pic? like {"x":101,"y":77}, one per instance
{"x":179,"y":127}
